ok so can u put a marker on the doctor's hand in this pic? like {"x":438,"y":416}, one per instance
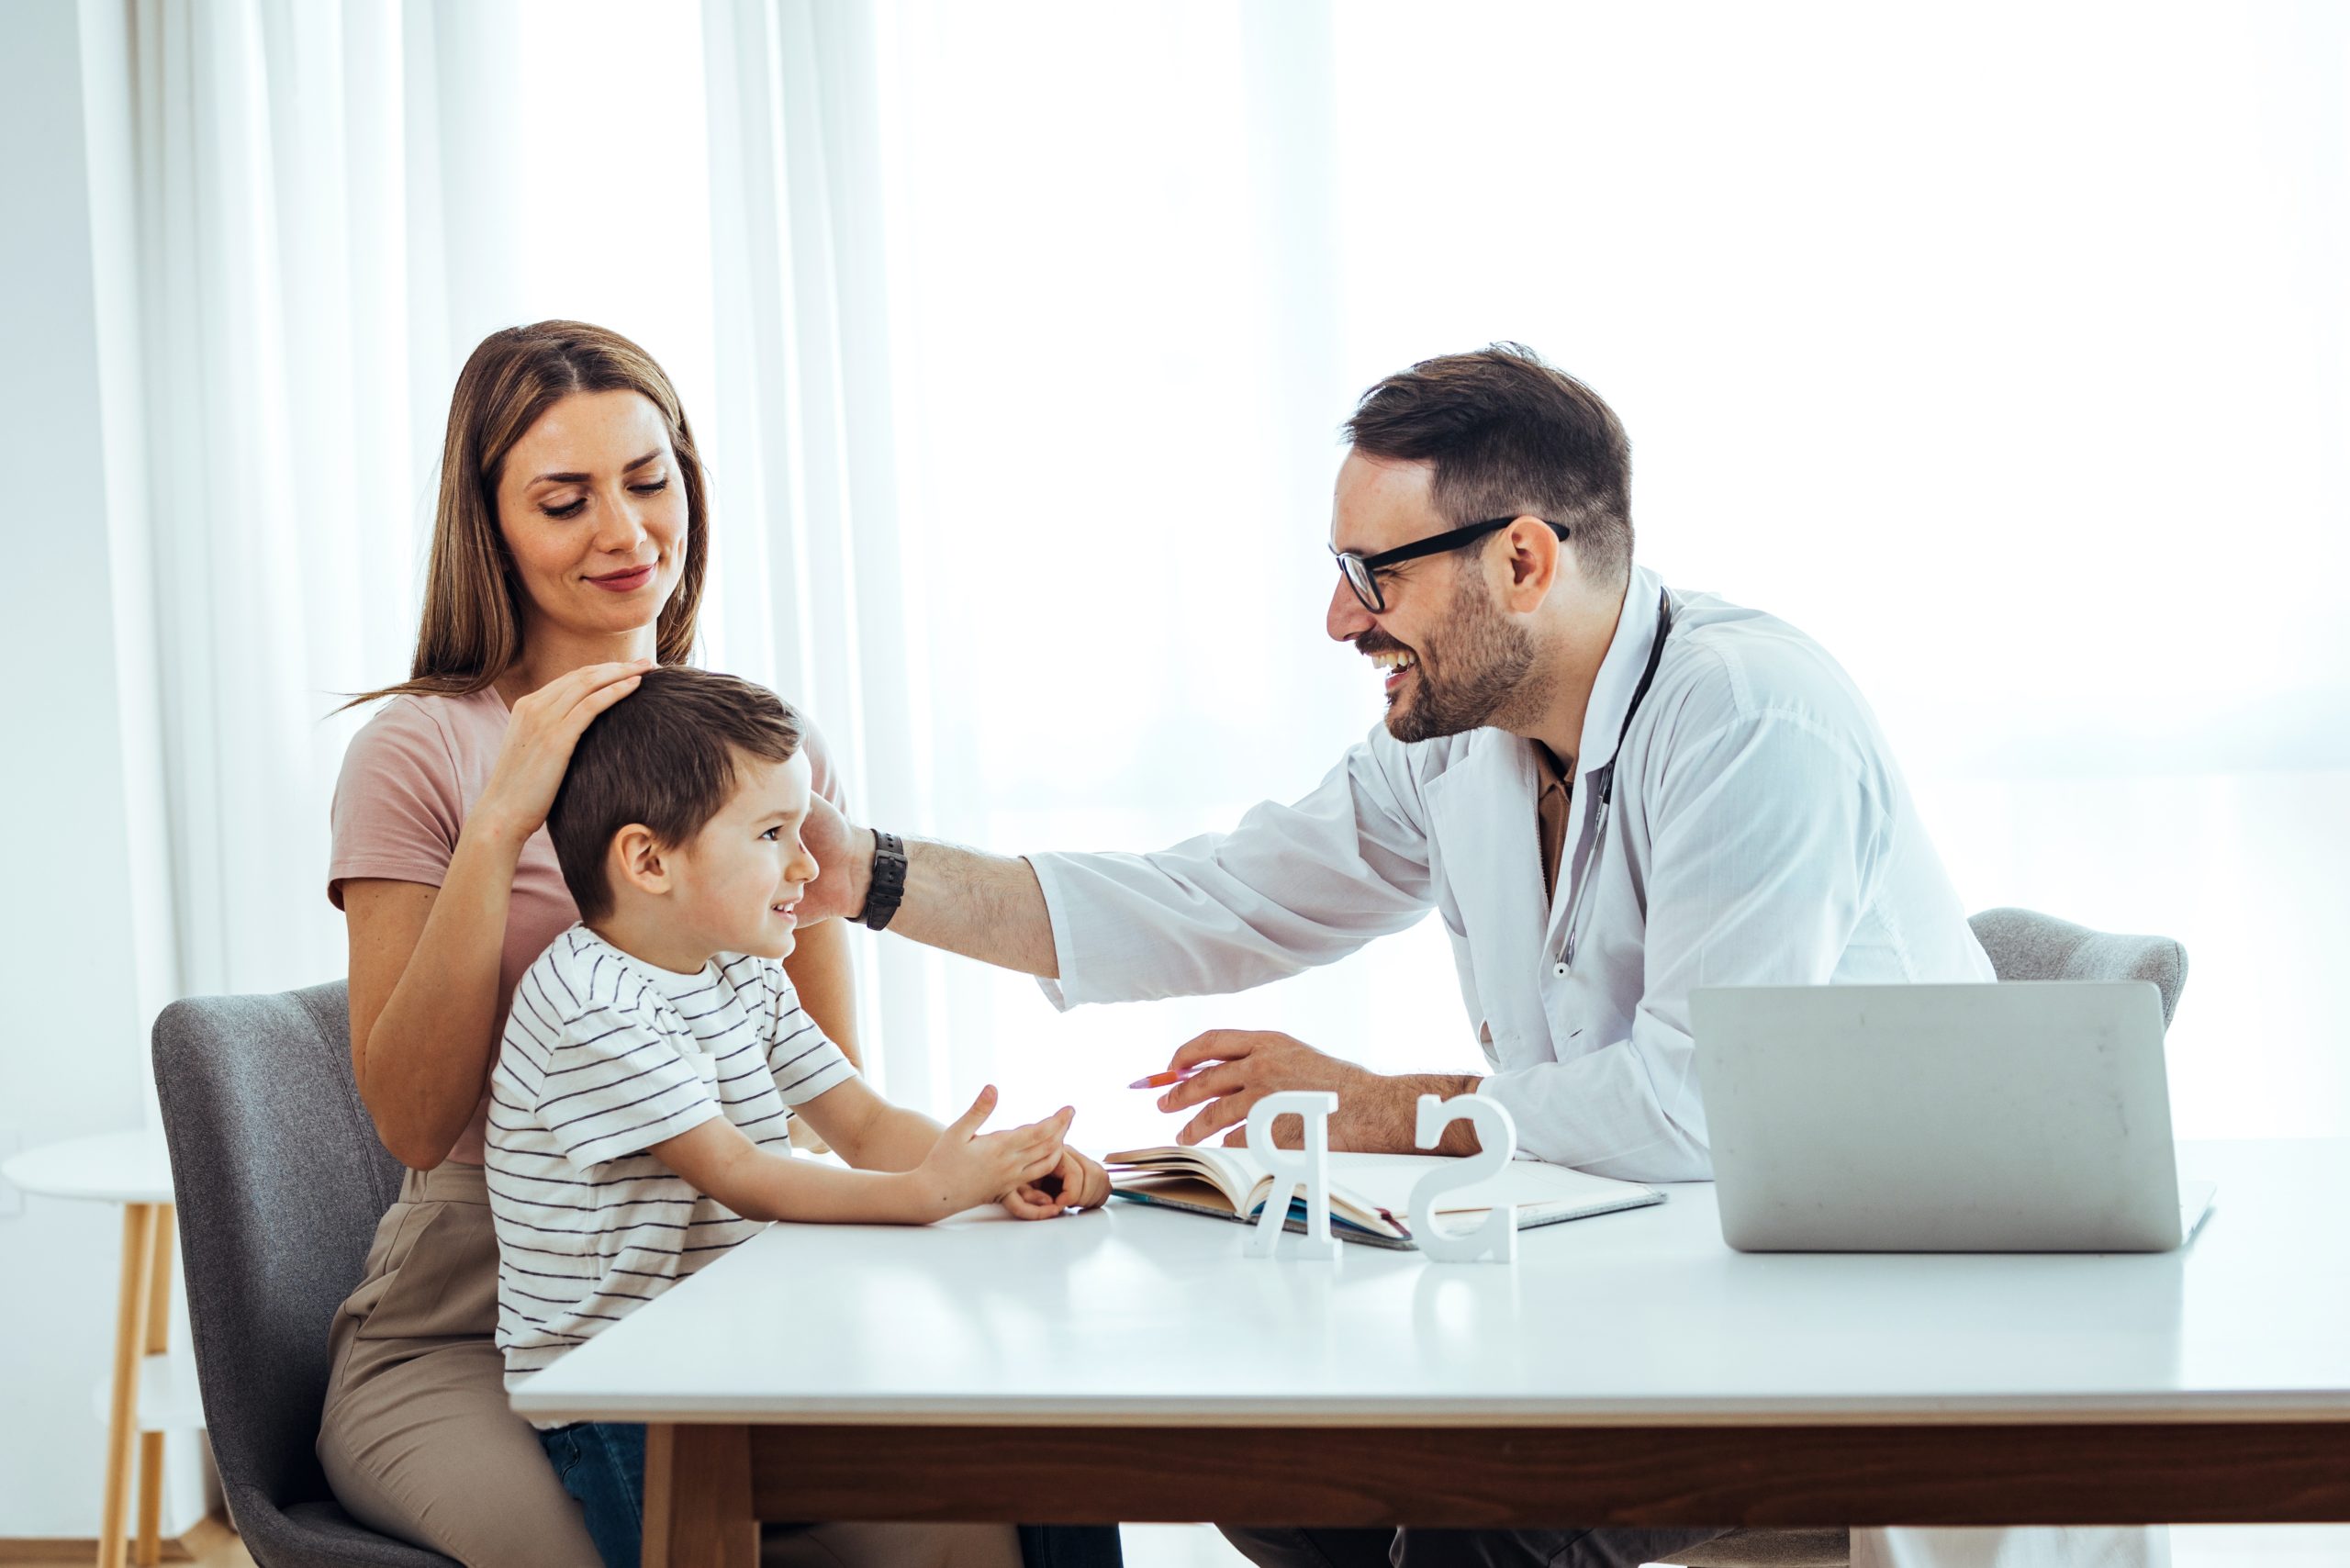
{"x":843,"y":855}
{"x":1377,"y":1113}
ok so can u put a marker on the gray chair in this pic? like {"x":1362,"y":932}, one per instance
{"x":2026,"y":946}
{"x":280,"y":1181}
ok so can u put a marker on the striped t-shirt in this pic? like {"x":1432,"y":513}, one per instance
{"x":604,"y":1056}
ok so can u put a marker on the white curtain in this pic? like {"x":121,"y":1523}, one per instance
{"x":813,"y":590}
{"x":258,"y":271}
{"x":286,"y":368}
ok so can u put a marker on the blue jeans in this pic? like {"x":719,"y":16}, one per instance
{"x":601,"y":1464}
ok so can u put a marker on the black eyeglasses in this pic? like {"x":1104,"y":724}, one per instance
{"x":1362,"y":571}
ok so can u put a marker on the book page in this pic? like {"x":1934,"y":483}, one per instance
{"x":1234,"y":1170}
{"x":1385,"y":1180}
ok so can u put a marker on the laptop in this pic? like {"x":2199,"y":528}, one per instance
{"x":1942,"y":1118}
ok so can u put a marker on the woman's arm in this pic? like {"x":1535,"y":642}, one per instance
{"x":424,"y":967}
{"x":820,"y":971}
{"x":424,"y":960}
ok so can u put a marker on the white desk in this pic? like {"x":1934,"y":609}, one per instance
{"x":1131,"y":1364}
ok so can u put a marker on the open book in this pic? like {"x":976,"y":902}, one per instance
{"x":1370,"y":1193}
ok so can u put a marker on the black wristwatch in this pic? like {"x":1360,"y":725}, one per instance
{"x":888,"y":884}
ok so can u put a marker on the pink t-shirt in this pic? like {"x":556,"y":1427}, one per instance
{"x":408,"y":781}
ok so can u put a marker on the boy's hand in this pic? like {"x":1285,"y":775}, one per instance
{"x":1076,"y":1182}
{"x":967,"y":1168}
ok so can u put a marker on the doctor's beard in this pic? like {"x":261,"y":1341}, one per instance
{"x":1481,"y":669}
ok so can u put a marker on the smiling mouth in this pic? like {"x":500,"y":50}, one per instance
{"x":1395,"y":664}
{"x":622,"y":582}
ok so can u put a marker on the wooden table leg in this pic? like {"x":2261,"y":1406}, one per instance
{"x":697,"y":1498}
{"x":130,"y":1334}
{"x":159,"y":1339}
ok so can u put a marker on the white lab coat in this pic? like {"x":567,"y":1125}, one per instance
{"x":1760,"y":834}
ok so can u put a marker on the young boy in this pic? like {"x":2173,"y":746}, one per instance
{"x":640,"y":1107}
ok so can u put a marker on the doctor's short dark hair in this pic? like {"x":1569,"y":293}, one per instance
{"x":664,"y":755}
{"x":1509,"y":436}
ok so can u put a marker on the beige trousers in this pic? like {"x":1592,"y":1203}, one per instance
{"x":420,"y":1443}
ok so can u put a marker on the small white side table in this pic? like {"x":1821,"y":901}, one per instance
{"x":149,"y":1395}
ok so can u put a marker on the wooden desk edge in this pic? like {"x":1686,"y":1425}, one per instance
{"x":2315,"y":1407}
{"x":2171,"y":1472}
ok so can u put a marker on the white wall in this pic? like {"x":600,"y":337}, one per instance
{"x":72,"y":1054}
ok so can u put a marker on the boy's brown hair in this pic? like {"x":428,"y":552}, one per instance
{"x":663,"y":756}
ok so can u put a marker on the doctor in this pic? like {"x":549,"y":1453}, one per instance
{"x":1611,"y":791}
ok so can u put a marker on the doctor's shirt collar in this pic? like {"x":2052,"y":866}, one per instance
{"x":1619,"y":672}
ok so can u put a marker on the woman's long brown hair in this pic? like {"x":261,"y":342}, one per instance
{"x":472,"y":629}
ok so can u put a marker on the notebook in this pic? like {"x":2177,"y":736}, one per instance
{"x":1370,"y":1193}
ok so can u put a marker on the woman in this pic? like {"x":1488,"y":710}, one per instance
{"x":567,"y":557}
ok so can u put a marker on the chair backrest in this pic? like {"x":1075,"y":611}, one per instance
{"x":280,"y":1181}
{"x":2027,"y":945}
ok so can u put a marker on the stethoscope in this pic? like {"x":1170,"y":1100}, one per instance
{"x":1604,"y":781}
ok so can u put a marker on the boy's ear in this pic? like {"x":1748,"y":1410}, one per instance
{"x":636,"y":859}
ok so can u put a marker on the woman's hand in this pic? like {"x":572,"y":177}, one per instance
{"x":547,"y":725}
{"x":1076,"y":1182}
{"x":967,"y":1168}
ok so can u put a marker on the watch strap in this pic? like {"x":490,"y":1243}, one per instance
{"x":888,"y":884}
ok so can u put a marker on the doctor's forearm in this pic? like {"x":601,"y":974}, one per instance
{"x":988,"y":907}
{"x":1385,"y":1118}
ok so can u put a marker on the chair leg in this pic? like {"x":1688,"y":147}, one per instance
{"x":149,"y":1551}
{"x":130,"y":1334}
{"x":150,"y":1444}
